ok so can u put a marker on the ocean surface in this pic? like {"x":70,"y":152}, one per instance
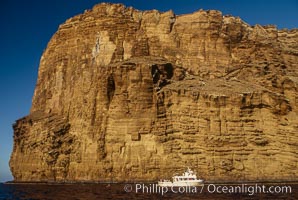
{"x":146,"y":191}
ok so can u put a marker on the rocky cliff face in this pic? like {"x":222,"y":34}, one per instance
{"x":127,"y":95}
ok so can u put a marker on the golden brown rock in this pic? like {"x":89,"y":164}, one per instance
{"x":128,"y":95}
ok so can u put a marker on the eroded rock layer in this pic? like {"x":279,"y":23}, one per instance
{"x":126,"y":95}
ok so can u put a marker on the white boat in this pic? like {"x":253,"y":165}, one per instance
{"x":188,"y":178}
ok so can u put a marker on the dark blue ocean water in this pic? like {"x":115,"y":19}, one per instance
{"x":129,"y":191}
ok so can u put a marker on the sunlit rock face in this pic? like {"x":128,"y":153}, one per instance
{"x":127,"y":95}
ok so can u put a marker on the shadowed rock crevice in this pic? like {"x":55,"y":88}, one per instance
{"x":110,"y":88}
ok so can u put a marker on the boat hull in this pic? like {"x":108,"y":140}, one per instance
{"x":180,"y":184}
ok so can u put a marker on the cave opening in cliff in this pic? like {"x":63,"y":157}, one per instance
{"x":169,"y":70}
{"x":162,"y":74}
{"x":110,"y":88}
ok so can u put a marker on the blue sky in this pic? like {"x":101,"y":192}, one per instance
{"x":27,"y":26}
